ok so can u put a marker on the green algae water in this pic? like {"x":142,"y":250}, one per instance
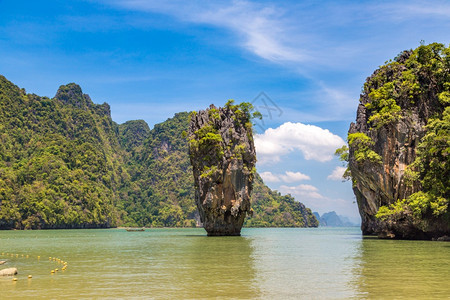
{"x":288,"y":263}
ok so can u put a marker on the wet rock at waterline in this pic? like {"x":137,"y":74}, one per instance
{"x":223,"y":158}
{"x":8,"y":272}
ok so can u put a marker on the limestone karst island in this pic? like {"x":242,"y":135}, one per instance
{"x":223,"y":158}
{"x":399,"y":147}
{"x":224,"y":149}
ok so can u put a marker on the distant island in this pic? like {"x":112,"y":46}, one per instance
{"x":65,"y":164}
{"x":332,"y":219}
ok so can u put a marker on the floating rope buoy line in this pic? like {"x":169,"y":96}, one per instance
{"x":13,"y":271}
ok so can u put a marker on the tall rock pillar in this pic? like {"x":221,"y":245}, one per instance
{"x":223,"y":158}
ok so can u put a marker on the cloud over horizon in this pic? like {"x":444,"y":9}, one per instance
{"x":313,"y":142}
{"x":302,"y":191}
{"x":287,"y":177}
{"x":313,"y":199}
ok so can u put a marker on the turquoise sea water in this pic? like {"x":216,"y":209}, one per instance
{"x":287,"y":263}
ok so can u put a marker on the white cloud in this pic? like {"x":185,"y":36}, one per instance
{"x":299,"y":35}
{"x":302,"y":191}
{"x":337,"y":173}
{"x":261,"y":27}
{"x":313,"y":142}
{"x":269,"y":177}
{"x":294,"y":176}
{"x":287,"y":177}
{"x":415,"y":10}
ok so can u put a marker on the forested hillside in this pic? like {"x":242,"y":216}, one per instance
{"x":65,"y":164}
{"x":60,"y":160}
{"x":160,"y":190}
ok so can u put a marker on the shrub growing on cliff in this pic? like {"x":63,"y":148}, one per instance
{"x":207,"y":140}
{"x":384,"y":105}
{"x":362,"y":153}
{"x":343,"y":155}
{"x":362,"y":143}
{"x":244,"y":110}
{"x":419,"y":205}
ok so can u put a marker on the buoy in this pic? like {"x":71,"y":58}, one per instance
{"x":27,"y":255}
{"x":29,"y":276}
{"x":39,"y":257}
{"x":14,"y":279}
{"x":52,"y":271}
{"x":56,"y":270}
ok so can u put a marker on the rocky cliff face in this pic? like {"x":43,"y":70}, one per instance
{"x":382,"y":183}
{"x":223,"y":158}
{"x":397,"y":103}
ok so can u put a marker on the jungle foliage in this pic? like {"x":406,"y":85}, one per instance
{"x":60,"y":161}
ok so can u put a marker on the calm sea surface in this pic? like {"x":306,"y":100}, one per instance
{"x":321,"y":263}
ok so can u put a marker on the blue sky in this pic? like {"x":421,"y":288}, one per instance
{"x":151,"y":59}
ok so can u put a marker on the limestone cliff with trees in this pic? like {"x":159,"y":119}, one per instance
{"x":399,"y":147}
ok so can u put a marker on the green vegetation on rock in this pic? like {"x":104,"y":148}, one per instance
{"x":402,"y":82}
{"x":362,"y":143}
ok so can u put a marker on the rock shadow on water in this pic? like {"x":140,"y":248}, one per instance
{"x":217,"y":267}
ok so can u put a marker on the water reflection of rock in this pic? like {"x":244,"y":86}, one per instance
{"x":403,"y":269}
{"x":217,"y":268}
